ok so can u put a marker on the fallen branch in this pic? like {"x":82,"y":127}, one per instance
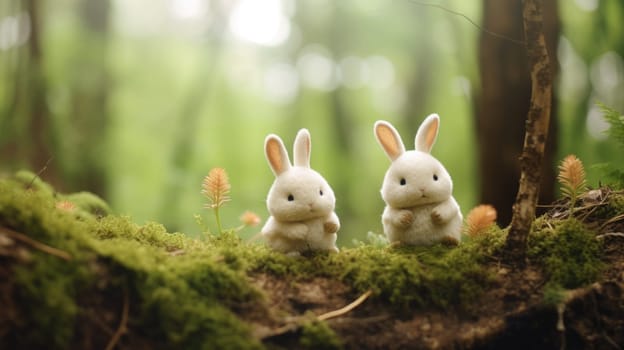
{"x":36,"y":244}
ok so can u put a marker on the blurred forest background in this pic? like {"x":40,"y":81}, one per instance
{"x":137,"y":100}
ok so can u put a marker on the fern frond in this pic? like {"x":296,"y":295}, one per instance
{"x":616,"y":123}
{"x":216,"y":187}
{"x":479,"y":219}
{"x":572,"y":177}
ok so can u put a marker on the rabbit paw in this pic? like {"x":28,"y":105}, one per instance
{"x":449,"y":241}
{"x":436,"y":217}
{"x":330,"y":227}
{"x":406,"y":219}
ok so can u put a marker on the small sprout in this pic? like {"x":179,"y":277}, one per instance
{"x":250,"y":218}
{"x":572,"y":178}
{"x":479,"y":219}
{"x":216,"y":187}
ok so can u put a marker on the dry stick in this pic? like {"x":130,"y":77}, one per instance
{"x":328,"y":315}
{"x":36,"y":244}
{"x":346,"y":309}
{"x":610,"y":234}
{"x":122,"y":324}
{"x":536,"y":133}
{"x":612,"y":220}
{"x":38,"y":175}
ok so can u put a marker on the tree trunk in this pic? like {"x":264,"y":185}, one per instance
{"x":420,"y":82}
{"x":33,"y":104}
{"x":536,"y":131}
{"x":502,"y":104}
{"x":90,"y":101}
{"x":14,"y":67}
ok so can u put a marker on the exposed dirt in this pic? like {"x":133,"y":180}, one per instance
{"x":512,"y":315}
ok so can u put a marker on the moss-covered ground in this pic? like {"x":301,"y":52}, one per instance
{"x":73,"y":275}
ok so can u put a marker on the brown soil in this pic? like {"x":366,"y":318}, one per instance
{"x":512,"y":315}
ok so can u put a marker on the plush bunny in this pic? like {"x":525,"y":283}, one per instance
{"x":300,"y":202}
{"x":417,"y":189}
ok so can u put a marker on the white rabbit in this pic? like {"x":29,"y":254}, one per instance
{"x":300,"y":202}
{"x":417,"y":189}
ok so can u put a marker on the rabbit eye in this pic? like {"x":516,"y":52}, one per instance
{"x":403,"y":182}
{"x":321,"y":192}
{"x":435,"y":177}
{"x":291,"y":198}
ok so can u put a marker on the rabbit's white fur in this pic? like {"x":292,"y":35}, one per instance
{"x":301,"y":202}
{"x":417,"y":189}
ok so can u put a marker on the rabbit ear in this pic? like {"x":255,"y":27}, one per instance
{"x":302,"y":148}
{"x":427,"y":133}
{"x":276,"y":154}
{"x":389,"y":139}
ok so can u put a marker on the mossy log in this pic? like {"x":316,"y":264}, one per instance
{"x":73,"y":275}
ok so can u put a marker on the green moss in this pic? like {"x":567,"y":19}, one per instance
{"x":47,"y":295}
{"x":151,"y":234}
{"x":418,"y":276}
{"x":614,"y":207}
{"x":318,"y":335}
{"x":405,"y":277}
{"x":89,"y":203}
{"x":568,"y":251}
{"x":554,"y":294}
{"x":182,"y":291}
{"x":188,"y":293}
{"x":29,"y":180}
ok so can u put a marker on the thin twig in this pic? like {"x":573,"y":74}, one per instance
{"x":612,"y":220}
{"x":298,"y":321}
{"x":36,"y":244}
{"x":122,"y":329}
{"x":346,"y":309}
{"x":38,"y":175}
{"x":494,"y":34}
{"x":610,"y":234}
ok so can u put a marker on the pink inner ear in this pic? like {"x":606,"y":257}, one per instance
{"x":275,"y":156}
{"x":386,"y":137}
{"x":431,"y":134}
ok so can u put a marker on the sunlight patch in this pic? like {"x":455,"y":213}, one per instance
{"x":260,"y":22}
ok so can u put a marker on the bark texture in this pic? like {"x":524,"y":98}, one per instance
{"x":536,"y":133}
{"x":503,"y":102}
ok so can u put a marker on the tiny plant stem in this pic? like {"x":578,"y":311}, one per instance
{"x":535,"y":135}
{"x":218,"y":219}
